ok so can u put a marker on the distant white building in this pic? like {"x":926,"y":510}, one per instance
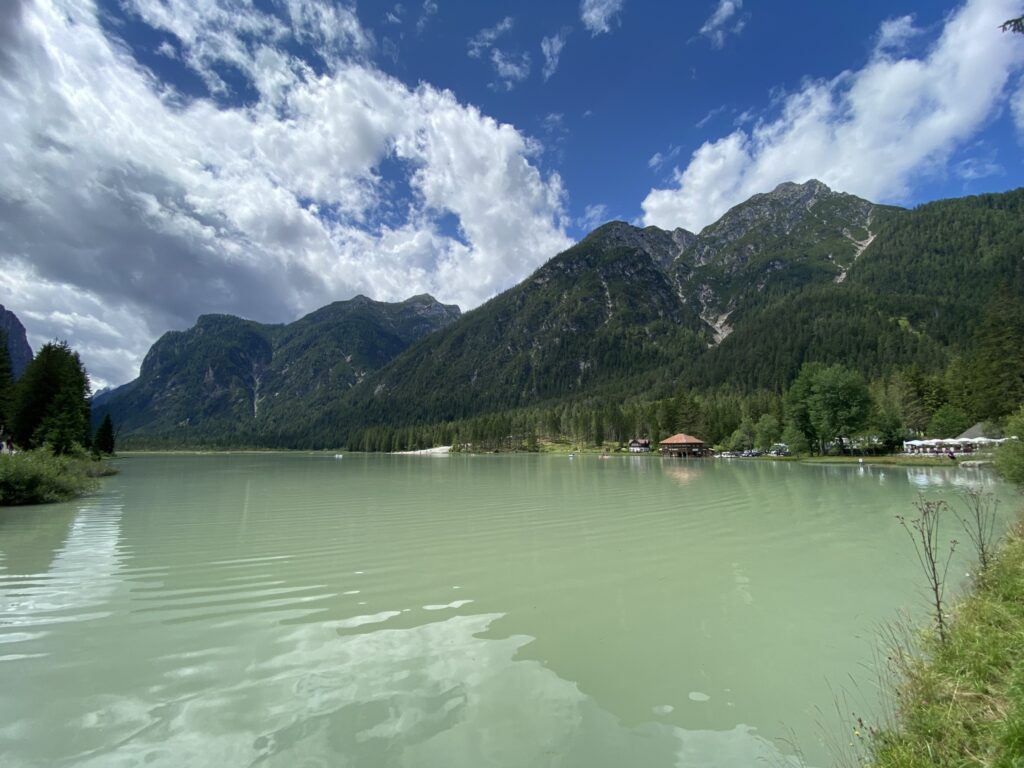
{"x":953,"y":445}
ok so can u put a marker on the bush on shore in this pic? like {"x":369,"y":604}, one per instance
{"x":962,"y":703}
{"x":1010,"y":456}
{"x":40,"y":477}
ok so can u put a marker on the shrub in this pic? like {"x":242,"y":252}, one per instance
{"x":39,"y":477}
{"x":1010,"y":456}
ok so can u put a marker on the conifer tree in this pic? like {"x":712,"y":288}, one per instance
{"x":997,"y":370}
{"x":53,"y":401}
{"x":104,"y":440}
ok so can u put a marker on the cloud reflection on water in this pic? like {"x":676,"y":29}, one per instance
{"x":430,"y":695}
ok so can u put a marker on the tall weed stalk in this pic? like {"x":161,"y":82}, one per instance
{"x":924,"y":533}
{"x":979,"y":523}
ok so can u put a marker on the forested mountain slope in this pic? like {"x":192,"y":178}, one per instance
{"x":600,"y":312}
{"x":798,"y":274}
{"x":919,"y":293}
{"x":627,"y":308}
{"x":229,"y":380}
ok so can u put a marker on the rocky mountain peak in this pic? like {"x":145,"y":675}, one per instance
{"x":795,"y":233}
{"x":421,"y":298}
{"x":792,"y":188}
{"x":426,"y":305}
{"x":798,"y":196}
{"x":785,"y":208}
{"x":663,"y":247}
{"x":17,"y":343}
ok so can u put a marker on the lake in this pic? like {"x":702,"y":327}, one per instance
{"x":301,"y":610}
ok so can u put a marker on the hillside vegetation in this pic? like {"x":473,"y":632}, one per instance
{"x":229,"y":381}
{"x":636,"y":331}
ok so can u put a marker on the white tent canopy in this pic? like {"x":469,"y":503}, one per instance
{"x":955,"y":444}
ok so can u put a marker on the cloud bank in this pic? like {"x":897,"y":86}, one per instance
{"x":128,"y":208}
{"x":870,"y":132}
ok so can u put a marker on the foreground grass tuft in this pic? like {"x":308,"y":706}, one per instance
{"x":39,"y":477}
{"x":962,"y":702}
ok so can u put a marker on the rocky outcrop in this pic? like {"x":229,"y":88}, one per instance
{"x":17,"y":342}
{"x":776,"y":241}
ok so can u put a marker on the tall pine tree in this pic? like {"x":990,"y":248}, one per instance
{"x":104,"y":440}
{"x":53,"y":401}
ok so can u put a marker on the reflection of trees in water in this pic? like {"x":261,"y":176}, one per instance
{"x":81,"y":573}
{"x":30,"y":537}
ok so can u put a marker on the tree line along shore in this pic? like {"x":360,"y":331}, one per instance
{"x":49,"y":451}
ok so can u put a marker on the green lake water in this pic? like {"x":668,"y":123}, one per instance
{"x":301,"y":610}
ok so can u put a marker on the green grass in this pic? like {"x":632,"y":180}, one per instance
{"x":39,"y":477}
{"x":961,"y":703}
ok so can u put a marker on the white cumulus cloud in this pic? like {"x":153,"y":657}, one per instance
{"x":127,"y":209}
{"x":1017,"y":105}
{"x":597,"y":15}
{"x":871,"y":132}
{"x":894,"y":34}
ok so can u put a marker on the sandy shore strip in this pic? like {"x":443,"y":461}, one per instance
{"x":441,"y":450}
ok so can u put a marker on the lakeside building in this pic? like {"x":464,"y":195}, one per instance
{"x":684,"y":446}
{"x":639,"y":445}
{"x":954,"y":445}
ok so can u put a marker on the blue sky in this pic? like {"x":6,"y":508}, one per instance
{"x":170,"y":158}
{"x":654,"y":85}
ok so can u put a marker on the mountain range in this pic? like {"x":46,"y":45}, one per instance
{"x":796,"y":274}
{"x":235,"y":379}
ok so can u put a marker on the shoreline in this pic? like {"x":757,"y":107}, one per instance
{"x":440,"y":450}
{"x":981,"y":462}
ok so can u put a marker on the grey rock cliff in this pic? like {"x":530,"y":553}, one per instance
{"x":17,"y":343}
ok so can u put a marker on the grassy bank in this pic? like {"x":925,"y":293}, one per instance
{"x":961,"y":703}
{"x":39,"y":477}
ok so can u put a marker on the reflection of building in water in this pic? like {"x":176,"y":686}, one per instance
{"x":679,"y":473}
{"x":937,"y":477}
{"x":640,"y":465}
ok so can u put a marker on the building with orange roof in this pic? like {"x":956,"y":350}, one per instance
{"x":683,"y":446}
